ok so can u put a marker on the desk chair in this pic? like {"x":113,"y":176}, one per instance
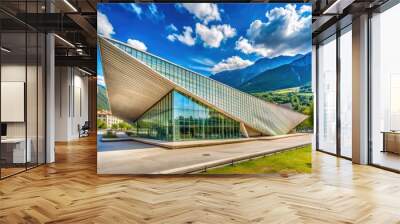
{"x":84,"y":130}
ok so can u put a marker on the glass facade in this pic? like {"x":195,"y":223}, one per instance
{"x":194,"y":120}
{"x":22,"y":64}
{"x":265,"y":117}
{"x":334,"y":105}
{"x":385,"y":89}
{"x":156,"y":123}
{"x":179,"y":117}
{"x":346,"y":92}
{"x":327,"y":95}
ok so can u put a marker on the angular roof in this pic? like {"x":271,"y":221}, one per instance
{"x":136,"y":80}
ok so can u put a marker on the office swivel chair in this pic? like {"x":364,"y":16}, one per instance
{"x":84,"y":130}
{"x":3,"y":131}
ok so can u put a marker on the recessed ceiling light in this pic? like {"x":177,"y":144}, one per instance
{"x":5,"y":50}
{"x":337,"y":7}
{"x":86,"y":72}
{"x":64,"y":40}
{"x":70,"y":5}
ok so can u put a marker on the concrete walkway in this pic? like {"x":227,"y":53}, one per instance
{"x":198,"y":143}
{"x":157,"y":160}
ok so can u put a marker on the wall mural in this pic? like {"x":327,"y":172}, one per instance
{"x":204,"y":88}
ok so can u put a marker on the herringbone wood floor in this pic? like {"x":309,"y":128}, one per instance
{"x":69,"y":191}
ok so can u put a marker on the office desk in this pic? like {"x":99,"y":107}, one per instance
{"x":13,"y":150}
{"x":391,"y":141}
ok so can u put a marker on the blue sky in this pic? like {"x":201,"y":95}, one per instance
{"x":207,"y":37}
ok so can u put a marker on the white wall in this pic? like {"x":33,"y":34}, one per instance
{"x":33,"y":126}
{"x":16,"y":73}
{"x":71,"y":102}
{"x":12,"y":73}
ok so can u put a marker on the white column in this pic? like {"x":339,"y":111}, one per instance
{"x":243,"y":130}
{"x":360,"y":90}
{"x":50,"y":100}
{"x":314,"y":90}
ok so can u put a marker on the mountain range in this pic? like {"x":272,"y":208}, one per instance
{"x":268,"y":74}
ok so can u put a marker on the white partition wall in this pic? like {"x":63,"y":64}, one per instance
{"x":71,"y":102}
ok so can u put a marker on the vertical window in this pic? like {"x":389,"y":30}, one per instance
{"x":327,"y":95}
{"x":346,"y":92}
{"x":385,"y":89}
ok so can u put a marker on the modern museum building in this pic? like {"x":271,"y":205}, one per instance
{"x":165,"y":101}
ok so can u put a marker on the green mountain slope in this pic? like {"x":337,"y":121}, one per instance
{"x":297,"y":73}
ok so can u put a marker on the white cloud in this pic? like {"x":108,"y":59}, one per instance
{"x":185,"y":38}
{"x":153,"y":9}
{"x":211,"y":36}
{"x":154,"y":13}
{"x":214,"y":35}
{"x":305,"y":9}
{"x":246,"y":47}
{"x":137,"y":44}
{"x":286,"y":32}
{"x":132,"y":7}
{"x":231,"y":63}
{"x":100,"y":80}
{"x":204,"y":61}
{"x":172,"y":28}
{"x":205,"y":12}
{"x":136,"y":9}
{"x":201,"y":68}
{"x":171,"y":37}
{"x":104,"y":27}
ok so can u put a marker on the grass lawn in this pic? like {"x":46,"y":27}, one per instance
{"x":284,"y":163}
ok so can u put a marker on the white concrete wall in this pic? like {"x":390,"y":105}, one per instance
{"x":71,"y":102}
{"x":33,"y":126}
{"x":12,"y":73}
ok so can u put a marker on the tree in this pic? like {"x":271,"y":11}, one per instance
{"x":114,"y":126}
{"x":295,"y":102}
{"x":124,"y":126}
{"x":101,"y":124}
{"x":309,"y":122}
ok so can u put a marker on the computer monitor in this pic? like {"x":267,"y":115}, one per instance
{"x":3,"y":129}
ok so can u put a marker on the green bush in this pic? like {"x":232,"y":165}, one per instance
{"x":124,"y":126}
{"x":101,"y":124}
{"x":301,"y":100}
{"x":131,"y":133}
{"x":114,"y":126}
{"x":109,"y":134}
